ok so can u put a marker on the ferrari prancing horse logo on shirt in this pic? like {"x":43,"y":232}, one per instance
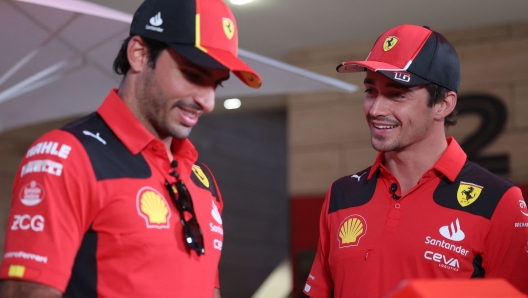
{"x":200,"y":175}
{"x":351,"y":230}
{"x":468,"y":193}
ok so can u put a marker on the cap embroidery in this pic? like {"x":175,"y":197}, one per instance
{"x":155,"y":21}
{"x":402,"y":76}
{"x":229,"y":27}
{"x":389,"y":43}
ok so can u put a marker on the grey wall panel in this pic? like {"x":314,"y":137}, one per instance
{"x":247,"y":153}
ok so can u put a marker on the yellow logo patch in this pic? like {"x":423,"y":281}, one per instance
{"x":351,"y":230}
{"x":16,"y":271}
{"x":229,"y":27}
{"x":468,"y":193}
{"x":153,"y":208}
{"x":200,"y":175}
{"x":390,"y":42}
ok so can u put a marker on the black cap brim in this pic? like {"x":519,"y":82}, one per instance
{"x":197,"y":56}
{"x":404,"y":77}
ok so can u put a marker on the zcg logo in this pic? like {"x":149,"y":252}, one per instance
{"x":25,"y":222}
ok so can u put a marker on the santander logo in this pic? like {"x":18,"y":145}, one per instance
{"x":156,"y":20}
{"x":453,"y":232}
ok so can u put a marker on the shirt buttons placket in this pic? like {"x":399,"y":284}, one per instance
{"x":397,"y":205}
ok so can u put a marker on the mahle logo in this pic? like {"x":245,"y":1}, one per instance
{"x":468,"y":193}
{"x":351,"y":230}
{"x":153,"y":208}
{"x":389,"y":43}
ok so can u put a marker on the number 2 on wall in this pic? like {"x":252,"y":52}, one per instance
{"x":493,"y":115}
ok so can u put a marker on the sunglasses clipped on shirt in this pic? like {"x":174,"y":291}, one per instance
{"x":181,"y":198}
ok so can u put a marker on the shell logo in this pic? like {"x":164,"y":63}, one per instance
{"x":351,"y":230}
{"x":153,"y":208}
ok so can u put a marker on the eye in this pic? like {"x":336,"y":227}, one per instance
{"x":192,"y":76}
{"x":398,"y":95}
{"x":368,"y":90}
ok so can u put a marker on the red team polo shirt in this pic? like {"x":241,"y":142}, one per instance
{"x":459,"y":221}
{"x":91,"y":215}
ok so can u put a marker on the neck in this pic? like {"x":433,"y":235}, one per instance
{"x":410,"y":164}
{"x":126,"y":92}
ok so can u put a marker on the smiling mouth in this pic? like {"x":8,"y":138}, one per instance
{"x":384,"y":126}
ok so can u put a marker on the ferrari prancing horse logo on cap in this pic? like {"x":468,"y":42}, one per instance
{"x":229,"y":27}
{"x":389,"y":43}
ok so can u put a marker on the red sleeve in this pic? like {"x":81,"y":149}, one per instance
{"x":506,"y":245}
{"x":319,"y":283}
{"x":50,"y":211}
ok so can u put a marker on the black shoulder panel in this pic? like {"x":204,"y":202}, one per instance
{"x":352,"y":191}
{"x":109,"y":156}
{"x":493,"y":188}
{"x":209,"y":176}
{"x":83,"y":280}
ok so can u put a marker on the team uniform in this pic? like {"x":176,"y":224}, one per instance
{"x":91,"y":215}
{"x":459,"y":221}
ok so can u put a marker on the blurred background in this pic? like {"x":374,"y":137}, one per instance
{"x":275,"y":155}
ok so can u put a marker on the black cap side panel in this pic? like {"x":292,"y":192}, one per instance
{"x":438,"y":63}
{"x":178,"y":21}
{"x":494,"y":187}
{"x":352,"y":191}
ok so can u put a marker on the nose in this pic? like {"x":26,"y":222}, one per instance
{"x":205,"y":97}
{"x":377,"y":106}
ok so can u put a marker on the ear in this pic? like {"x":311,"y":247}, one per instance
{"x":445,"y":106}
{"x":137,"y":53}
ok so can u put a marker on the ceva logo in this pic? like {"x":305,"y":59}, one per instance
{"x":451,"y":263}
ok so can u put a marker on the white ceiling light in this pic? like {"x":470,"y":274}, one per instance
{"x":240,"y":2}
{"x":232,"y":103}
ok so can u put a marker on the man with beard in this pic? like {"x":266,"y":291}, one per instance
{"x":115,"y":204}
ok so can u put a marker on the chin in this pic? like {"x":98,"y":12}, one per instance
{"x":180,"y":132}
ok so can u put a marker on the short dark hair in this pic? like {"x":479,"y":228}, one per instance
{"x":121,"y":64}
{"x":436,"y":94}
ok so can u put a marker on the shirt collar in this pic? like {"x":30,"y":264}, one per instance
{"x":132,"y":133}
{"x":124,"y":124}
{"x":449,"y":164}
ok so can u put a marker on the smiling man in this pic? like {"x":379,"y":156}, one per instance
{"x":422,"y":210}
{"x":115,"y":204}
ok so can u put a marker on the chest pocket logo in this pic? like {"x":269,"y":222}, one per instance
{"x":468,"y":193}
{"x":153,"y":208}
{"x":351,"y":230}
{"x":200,"y":175}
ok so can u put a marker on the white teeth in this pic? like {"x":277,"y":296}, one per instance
{"x":384,"y":127}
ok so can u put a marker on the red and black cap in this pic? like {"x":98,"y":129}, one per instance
{"x":202,"y":31}
{"x":412,"y":55}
